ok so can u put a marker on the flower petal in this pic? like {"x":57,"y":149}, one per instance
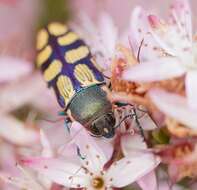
{"x":130,"y":169}
{"x":139,"y":26}
{"x":101,"y":37}
{"x":160,"y":69}
{"x":191,"y":88}
{"x":60,"y":171}
{"x":93,"y":154}
{"x":133,"y":145}
{"x":16,"y":132}
{"x":13,"y":68}
{"x":174,"y":106}
{"x":18,"y":93}
{"x":148,"y":182}
{"x":46,"y":146}
{"x":181,"y":14}
{"x":145,"y":120}
{"x":20,"y":182}
{"x":140,"y":36}
{"x":108,"y":33}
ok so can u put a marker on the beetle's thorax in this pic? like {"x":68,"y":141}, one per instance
{"x":89,"y":104}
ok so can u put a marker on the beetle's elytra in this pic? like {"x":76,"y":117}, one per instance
{"x":69,"y":68}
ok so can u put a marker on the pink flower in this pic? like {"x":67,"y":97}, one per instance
{"x":17,"y":176}
{"x":91,"y":172}
{"x":175,"y":51}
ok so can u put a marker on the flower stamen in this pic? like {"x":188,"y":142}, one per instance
{"x":98,"y":182}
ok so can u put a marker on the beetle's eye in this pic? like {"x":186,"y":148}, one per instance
{"x":111,"y":119}
{"x":95,"y":130}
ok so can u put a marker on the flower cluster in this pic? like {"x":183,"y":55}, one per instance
{"x":151,"y":66}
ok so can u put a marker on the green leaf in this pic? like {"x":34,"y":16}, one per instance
{"x":161,"y":136}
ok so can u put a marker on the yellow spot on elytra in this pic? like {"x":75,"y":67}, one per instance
{"x":68,"y":39}
{"x":43,"y":55}
{"x":77,"y":54}
{"x":42,"y":39}
{"x":57,"y":28}
{"x":53,"y":70}
{"x":84,"y":75}
{"x":65,"y":88}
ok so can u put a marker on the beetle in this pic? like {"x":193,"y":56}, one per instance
{"x":70,"y":69}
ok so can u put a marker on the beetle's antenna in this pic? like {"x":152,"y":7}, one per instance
{"x":107,"y":77}
{"x":127,"y":116}
{"x":134,"y":116}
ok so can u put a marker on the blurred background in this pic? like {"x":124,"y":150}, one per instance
{"x":19,"y":19}
{"x":25,"y":101}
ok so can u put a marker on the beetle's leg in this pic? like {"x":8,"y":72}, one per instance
{"x":79,"y":154}
{"x":110,"y":86}
{"x":67,"y":122}
{"x":67,"y":125}
{"x":134,"y":116}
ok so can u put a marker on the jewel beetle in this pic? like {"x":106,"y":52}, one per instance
{"x":70,"y":69}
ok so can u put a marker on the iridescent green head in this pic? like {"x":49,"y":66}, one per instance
{"x":91,"y":108}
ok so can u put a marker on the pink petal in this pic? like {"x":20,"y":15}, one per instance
{"x":130,"y":169}
{"x":174,"y":106}
{"x":107,"y":147}
{"x":16,"y":132}
{"x":148,"y":182}
{"x":154,"y":21}
{"x":108,"y":33}
{"x":13,"y":68}
{"x":102,"y":44}
{"x":19,"y":182}
{"x":60,"y":171}
{"x":146,"y":121}
{"x":139,"y":26}
{"x":93,"y":154}
{"x":181,"y":13}
{"x":133,"y":145}
{"x":46,"y":146}
{"x":140,"y":29}
{"x":7,"y":157}
{"x":21,"y":92}
{"x":191,"y":88}
{"x":161,"y":69}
